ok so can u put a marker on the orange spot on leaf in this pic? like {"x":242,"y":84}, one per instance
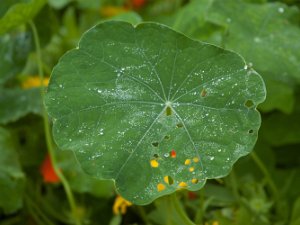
{"x":173,"y":153}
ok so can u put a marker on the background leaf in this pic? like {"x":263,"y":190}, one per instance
{"x":14,"y":50}
{"x":18,"y":12}
{"x":16,"y":103}
{"x":11,"y":176}
{"x":266,"y":35}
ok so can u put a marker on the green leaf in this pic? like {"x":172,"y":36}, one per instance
{"x":11,"y":176}
{"x":129,"y":95}
{"x":280,"y":96}
{"x":80,"y":181}
{"x":16,"y":103}
{"x":191,"y":20}
{"x":14,"y":50}
{"x":276,"y":131}
{"x":268,"y":38}
{"x":18,"y":12}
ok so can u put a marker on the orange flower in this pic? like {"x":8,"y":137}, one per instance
{"x":47,"y":171}
{"x":137,"y":4}
{"x":120,"y":205}
{"x":34,"y":81}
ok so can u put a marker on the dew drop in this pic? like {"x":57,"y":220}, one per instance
{"x":281,"y":10}
{"x":257,"y":40}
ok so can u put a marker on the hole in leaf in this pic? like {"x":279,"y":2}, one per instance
{"x":168,"y":111}
{"x":203,"y":93}
{"x":167,"y":137}
{"x":251,"y":131}
{"x":169,"y":180}
{"x":155,"y":156}
{"x":249,"y":103}
{"x":155,"y":144}
{"x":179,"y":125}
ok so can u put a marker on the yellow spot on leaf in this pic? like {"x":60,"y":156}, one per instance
{"x":34,"y":81}
{"x":215,"y":223}
{"x":154,"y":163}
{"x":166,"y":179}
{"x":191,"y":169}
{"x":182,"y":184}
{"x":161,"y":187}
{"x":194,"y":181}
{"x":187,"y":162}
{"x":120,"y":205}
{"x":196,"y":159}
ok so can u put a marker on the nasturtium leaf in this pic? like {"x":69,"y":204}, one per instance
{"x":14,"y":50}
{"x":11,"y":176}
{"x":191,"y":20}
{"x":18,"y":12}
{"x":128,"y":97}
{"x":16,"y":103}
{"x":268,"y":37}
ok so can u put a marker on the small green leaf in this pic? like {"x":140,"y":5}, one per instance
{"x":11,"y":176}
{"x":137,"y":104}
{"x":16,"y":103}
{"x":18,"y":12}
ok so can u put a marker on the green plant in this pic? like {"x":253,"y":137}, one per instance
{"x":177,"y":114}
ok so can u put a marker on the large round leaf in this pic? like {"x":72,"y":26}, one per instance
{"x":152,"y":109}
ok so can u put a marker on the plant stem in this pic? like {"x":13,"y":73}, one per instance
{"x":179,"y":209}
{"x":200,"y":212}
{"x":36,"y":210}
{"x":266,"y":173}
{"x":234,"y":185}
{"x":49,"y":143}
{"x":143,"y":214}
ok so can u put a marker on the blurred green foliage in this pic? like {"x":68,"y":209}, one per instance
{"x":263,"y":188}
